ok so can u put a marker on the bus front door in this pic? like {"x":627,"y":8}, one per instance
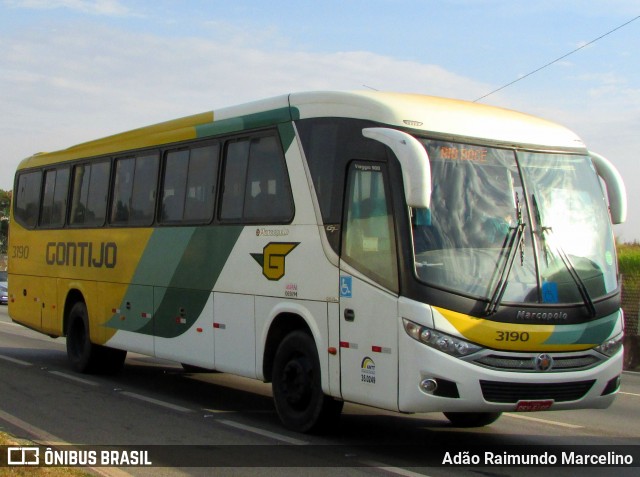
{"x":368,"y":291}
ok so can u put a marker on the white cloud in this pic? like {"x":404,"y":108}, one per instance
{"x":65,"y":86}
{"x":62,"y":86}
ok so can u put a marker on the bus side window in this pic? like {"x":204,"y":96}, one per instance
{"x":143,"y":195}
{"x":201,"y":183}
{"x":122,"y":187}
{"x":175,"y":181}
{"x":267,"y":193}
{"x":236,"y":159}
{"x":256,"y":185}
{"x":54,"y":200}
{"x":189,"y":185}
{"x":134,"y":195}
{"x":28,"y":198}
{"x":89,"y":194}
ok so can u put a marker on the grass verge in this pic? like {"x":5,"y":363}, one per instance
{"x":9,"y":440}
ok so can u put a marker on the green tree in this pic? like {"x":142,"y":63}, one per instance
{"x":5,"y":204}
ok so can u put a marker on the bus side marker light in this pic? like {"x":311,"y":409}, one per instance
{"x":346,"y":344}
{"x":181,"y":321}
{"x":220,"y":326}
{"x":381,"y":349}
{"x":145,"y":315}
{"x":199,"y":330}
{"x":332,"y":350}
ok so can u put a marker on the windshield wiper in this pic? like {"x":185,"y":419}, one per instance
{"x":513,"y":242}
{"x":566,"y":261}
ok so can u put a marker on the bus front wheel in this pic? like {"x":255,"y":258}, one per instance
{"x":297,"y":389}
{"x":472,"y":419}
{"x":84,"y":356}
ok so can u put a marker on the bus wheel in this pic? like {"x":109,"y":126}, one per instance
{"x":472,"y":419}
{"x":297,"y":390}
{"x":110,"y":360}
{"x":84,"y":356}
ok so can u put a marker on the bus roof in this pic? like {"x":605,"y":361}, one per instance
{"x":444,"y":116}
{"x":419,"y":112}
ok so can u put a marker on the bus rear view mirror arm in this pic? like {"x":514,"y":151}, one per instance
{"x":616,"y":190}
{"x":416,"y":171}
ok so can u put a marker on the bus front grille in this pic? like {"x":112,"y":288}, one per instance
{"x":501,"y":392}
{"x":527,"y":362}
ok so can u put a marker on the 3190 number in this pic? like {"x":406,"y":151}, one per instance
{"x":512,"y":336}
{"x":20,"y":251}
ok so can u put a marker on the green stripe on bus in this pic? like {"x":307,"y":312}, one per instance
{"x":287,"y":135}
{"x":243,"y":123}
{"x":183,"y":265}
{"x":595,"y":332}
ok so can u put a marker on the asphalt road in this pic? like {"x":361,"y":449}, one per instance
{"x":204,"y":421}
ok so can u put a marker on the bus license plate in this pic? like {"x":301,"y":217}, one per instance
{"x":534,"y":406}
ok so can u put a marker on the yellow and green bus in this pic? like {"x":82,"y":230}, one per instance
{"x":401,"y":251}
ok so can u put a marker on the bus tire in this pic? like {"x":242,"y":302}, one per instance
{"x":472,"y":419}
{"x":297,"y":389}
{"x":110,"y":360}
{"x":84,"y":356}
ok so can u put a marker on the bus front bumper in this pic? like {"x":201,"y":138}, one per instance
{"x":431,"y":380}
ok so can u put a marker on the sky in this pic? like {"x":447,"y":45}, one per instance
{"x":76,"y":70}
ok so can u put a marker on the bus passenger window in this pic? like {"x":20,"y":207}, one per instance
{"x":235,"y":173}
{"x":175,"y":181}
{"x":54,"y":201}
{"x":89,"y":194}
{"x":28,"y":198}
{"x":122,"y":191}
{"x":189,"y":185}
{"x":143,"y":195}
{"x":201,"y":183}
{"x":267,"y":194}
{"x":134,"y":195}
{"x":256,"y":185}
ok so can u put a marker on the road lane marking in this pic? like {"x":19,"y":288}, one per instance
{"x":15,"y":361}
{"x":393,"y":470}
{"x":544,"y":421}
{"x":44,"y":438}
{"x":629,"y":394}
{"x":218,"y":411}
{"x":264,"y":433}
{"x":157,"y":402}
{"x":71,"y":377}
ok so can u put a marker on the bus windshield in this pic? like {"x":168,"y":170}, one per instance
{"x":573,"y":226}
{"x":477,"y":238}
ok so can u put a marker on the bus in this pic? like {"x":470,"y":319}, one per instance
{"x":406,"y":252}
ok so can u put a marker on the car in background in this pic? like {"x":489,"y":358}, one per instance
{"x":3,"y":278}
{"x":4,"y":295}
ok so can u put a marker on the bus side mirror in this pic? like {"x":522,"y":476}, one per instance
{"x":416,"y":170}
{"x":616,"y":191}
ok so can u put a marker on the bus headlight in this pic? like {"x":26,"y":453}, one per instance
{"x":610,"y":347}
{"x":441,"y":341}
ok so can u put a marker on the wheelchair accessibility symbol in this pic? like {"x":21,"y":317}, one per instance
{"x":345,"y":287}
